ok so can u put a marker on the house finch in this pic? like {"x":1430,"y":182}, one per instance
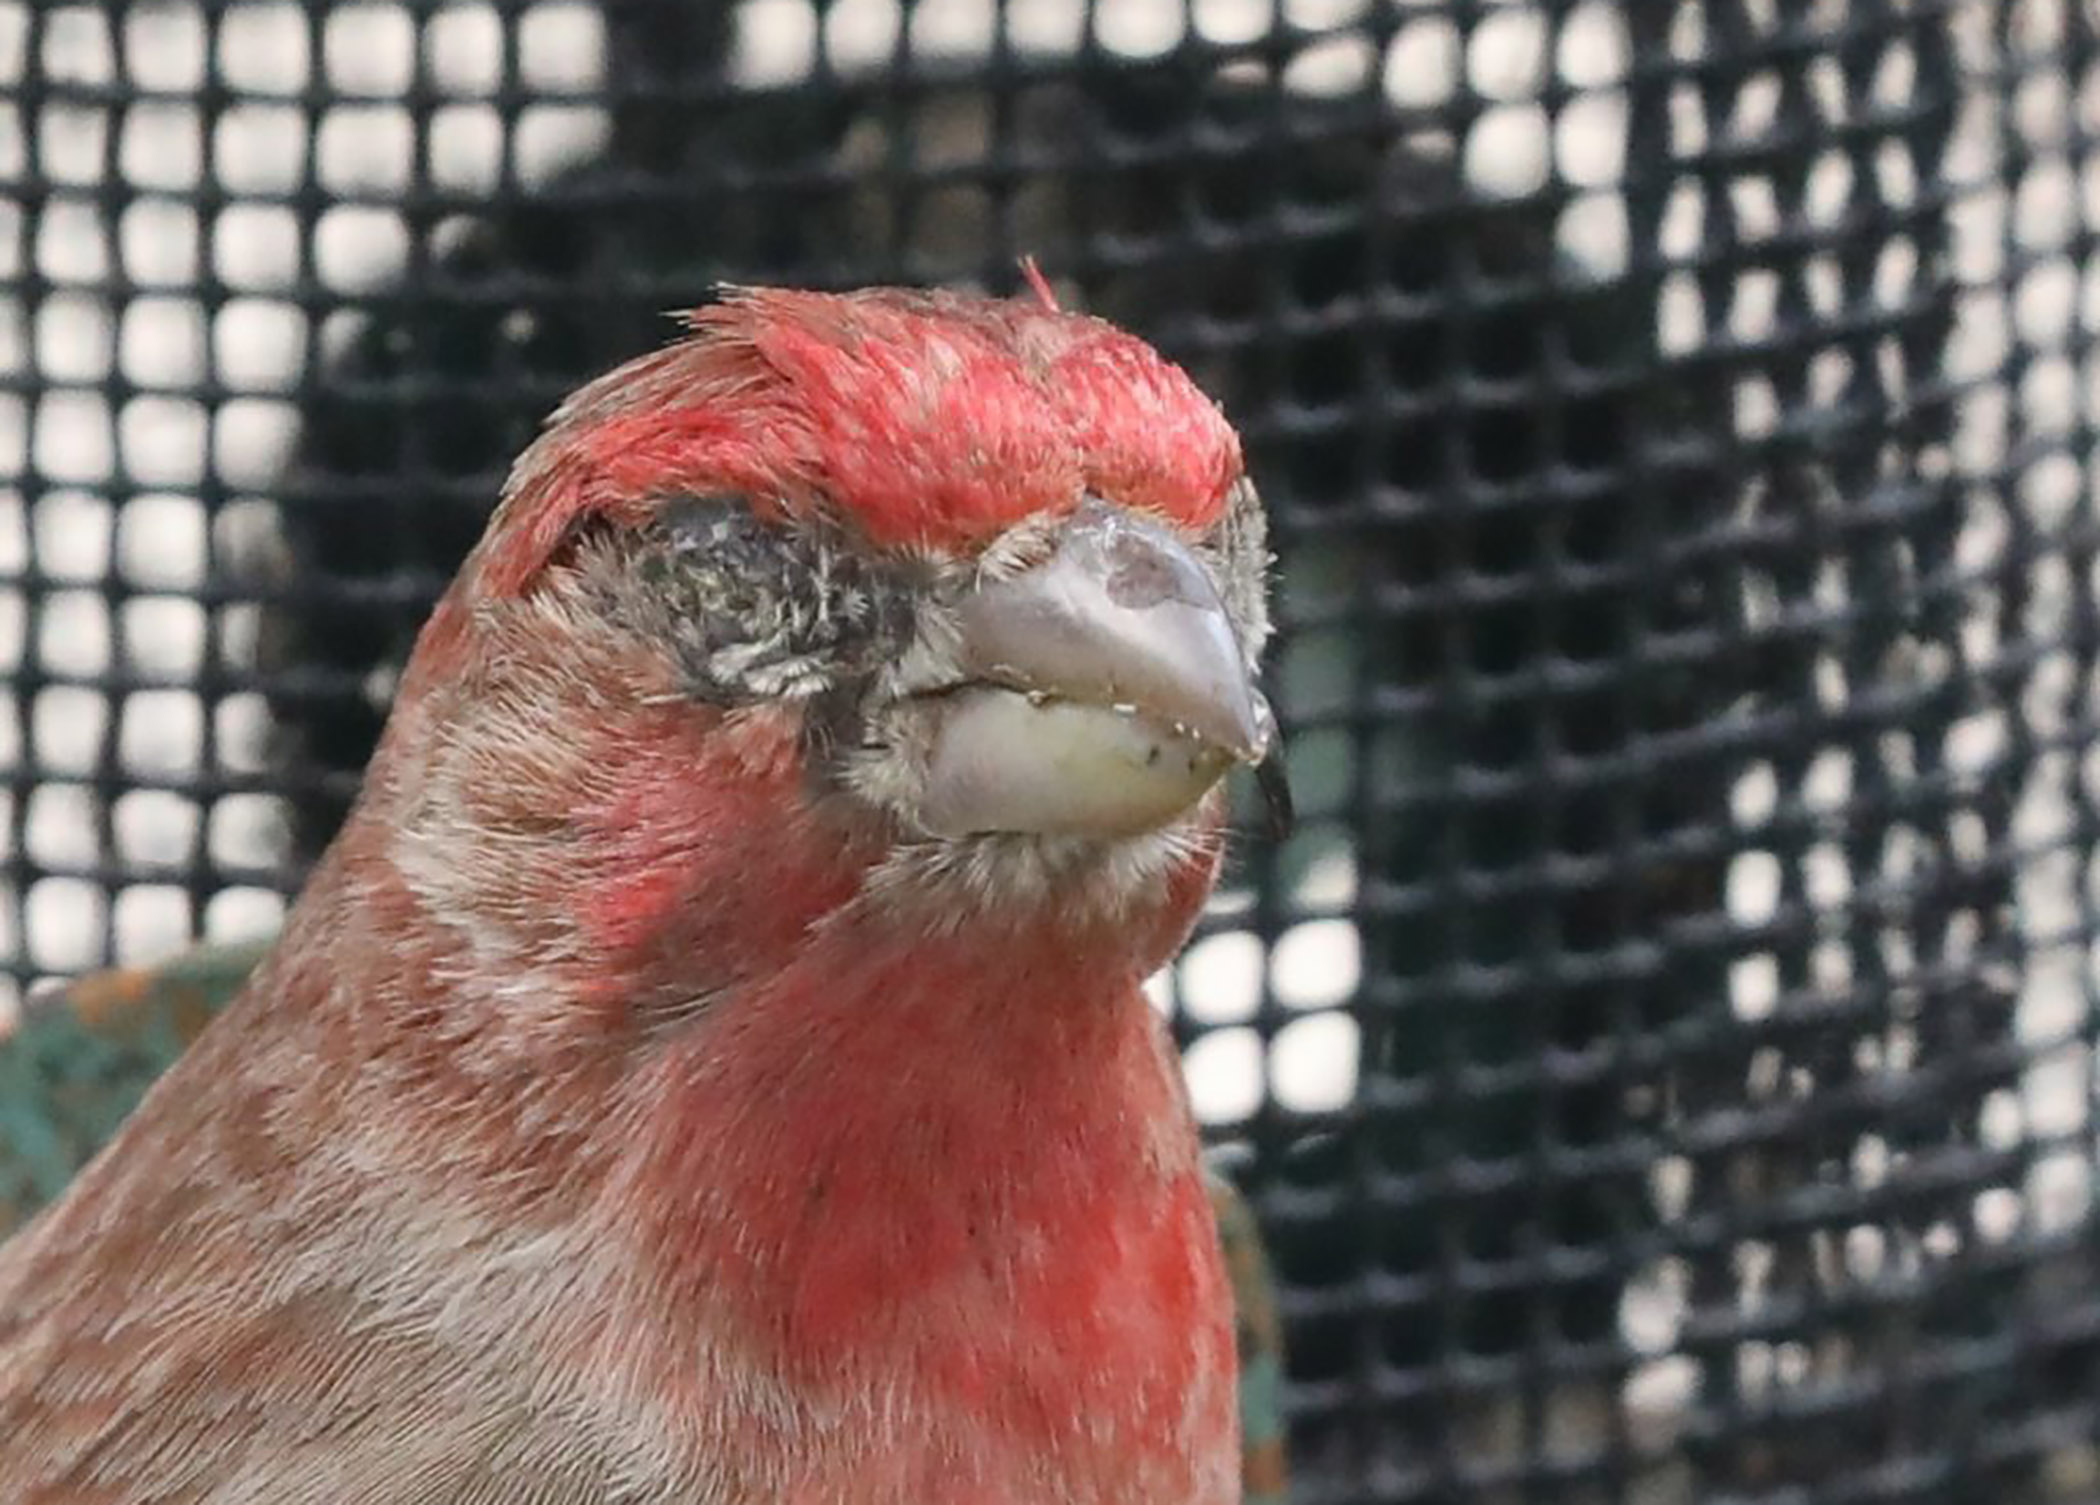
{"x":710,"y":1063}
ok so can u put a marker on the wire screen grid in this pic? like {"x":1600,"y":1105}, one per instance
{"x":1664,"y":1056}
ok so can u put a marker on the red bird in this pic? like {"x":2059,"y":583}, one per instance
{"x":710,"y":1064}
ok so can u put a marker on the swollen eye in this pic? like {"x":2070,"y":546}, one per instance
{"x":759,"y":608}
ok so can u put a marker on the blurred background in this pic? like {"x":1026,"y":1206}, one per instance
{"x":1662,"y":1061}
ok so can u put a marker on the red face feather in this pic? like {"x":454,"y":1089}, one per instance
{"x":612,"y":1113}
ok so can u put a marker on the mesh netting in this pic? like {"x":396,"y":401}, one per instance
{"x":1663,"y":1057}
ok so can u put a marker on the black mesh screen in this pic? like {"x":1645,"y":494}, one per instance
{"x":1663,"y":1058}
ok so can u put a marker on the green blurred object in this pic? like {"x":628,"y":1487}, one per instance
{"x":81,"y":1056}
{"x":1264,"y":1462}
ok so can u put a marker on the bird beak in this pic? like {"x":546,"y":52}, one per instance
{"x":1107,"y":690}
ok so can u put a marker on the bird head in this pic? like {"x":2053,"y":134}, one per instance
{"x":974,"y":589}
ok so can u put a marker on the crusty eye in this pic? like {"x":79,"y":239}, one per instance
{"x":757,"y":611}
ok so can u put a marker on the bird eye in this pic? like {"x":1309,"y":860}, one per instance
{"x":702,"y":524}
{"x":759,"y":609}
